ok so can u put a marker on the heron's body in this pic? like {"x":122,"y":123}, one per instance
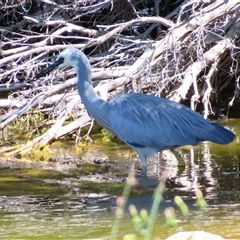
{"x":146,"y":123}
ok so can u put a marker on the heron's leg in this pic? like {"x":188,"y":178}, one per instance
{"x":181,"y":162}
{"x":143,"y":159}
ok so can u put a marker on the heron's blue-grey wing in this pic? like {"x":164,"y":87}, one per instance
{"x":142,"y":120}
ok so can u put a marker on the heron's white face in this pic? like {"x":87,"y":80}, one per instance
{"x":67,"y":57}
{"x":62,"y":60}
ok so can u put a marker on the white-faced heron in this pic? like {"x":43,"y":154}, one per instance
{"x":146,"y":123}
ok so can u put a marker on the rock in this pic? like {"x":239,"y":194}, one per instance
{"x":195,"y":235}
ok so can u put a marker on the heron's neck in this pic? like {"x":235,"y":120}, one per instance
{"x":93,"y":103}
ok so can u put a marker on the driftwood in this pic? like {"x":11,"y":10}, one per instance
{"x":131,"y":48}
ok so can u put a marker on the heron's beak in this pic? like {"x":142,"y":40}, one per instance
{"x":55,"y":64}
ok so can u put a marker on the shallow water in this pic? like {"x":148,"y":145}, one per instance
{"x":54,"y":200}
{"x":39,"y":218}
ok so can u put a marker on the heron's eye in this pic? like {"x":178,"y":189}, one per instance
{"x":60,"y":60}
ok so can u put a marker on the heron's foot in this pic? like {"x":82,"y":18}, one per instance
{"x":181,"y":162}
{"x":147,"y":182}
{"x":143,"y":171}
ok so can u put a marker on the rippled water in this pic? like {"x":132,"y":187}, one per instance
{"x":38,"y":218}
{"x":30,"y":209}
